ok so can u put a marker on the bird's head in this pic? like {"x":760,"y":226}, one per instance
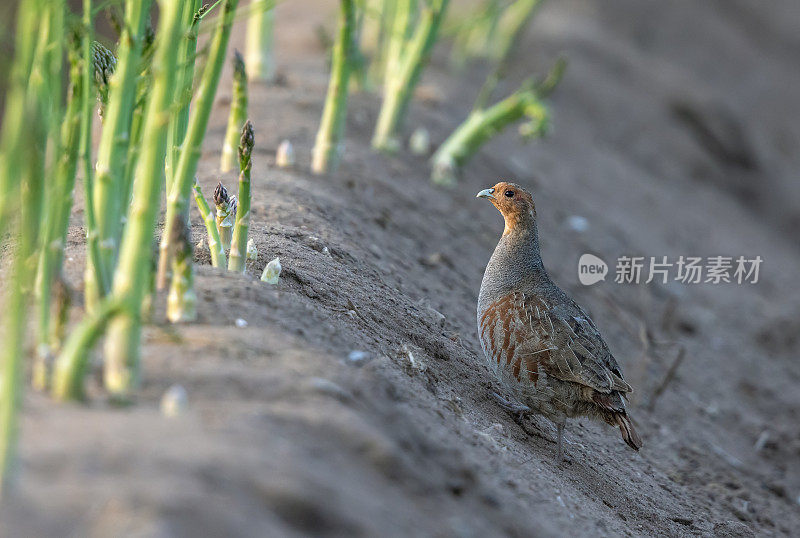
{"x":514,"y":203}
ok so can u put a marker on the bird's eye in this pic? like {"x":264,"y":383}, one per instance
{"x":509,"y":194}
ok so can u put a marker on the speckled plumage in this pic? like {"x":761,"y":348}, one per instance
{"x":542,"y":347}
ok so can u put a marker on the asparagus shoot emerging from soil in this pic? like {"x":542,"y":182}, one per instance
{"x":238,"y":254}
{"x":181,"y":300}
{"x":484,"y":123}
{"x":420,"y":141}
{"x":238,"y":113}
{"x":178,"y":196}
{"x":404,"y":66}
{"x":284,"y":157}
{"x":214,"y":242}
{"x":327,"y":148}
{"x":252,"y":250}
{"x":260,"y":58}
{"x":226,"y":215}
{"x":272,"y":272}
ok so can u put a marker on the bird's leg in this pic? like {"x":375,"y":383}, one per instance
{"x":560,"y":428}
{"x":518,"y":410}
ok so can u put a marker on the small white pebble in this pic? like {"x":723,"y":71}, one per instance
{"x":761,"y":441}
{"x":329,"y":388}
{"x":174,"y":401}
{"x":284,"y":157}
{"x":241,"y":323}
{"x":420,"y":142}
{"x":326,"y":251}
{"x":358,"y":358}
{"x":272,"y":272}
{"x":438,"y":317}
{"x":577,"y":223}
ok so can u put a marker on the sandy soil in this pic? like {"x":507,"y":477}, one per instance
{"x":674,"y":133}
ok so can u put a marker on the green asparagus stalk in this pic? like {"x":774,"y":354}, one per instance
{"x":122,"y":345}
{"x":214,"y":242}
{"x":238,"y":255}
{"x":238,"y":113}
{"x":186,"y":59}
{"x":510,"y":25}
{"x":182,"y":300}
{"x":12,"y":334}
{"x":97,"y":277}
{"x":258,"y":50}
{"x":401,"y":81}
{"x":327,"y":148}
{"x":137,"y":122}
{"x":484,"y":123}
{"x":380,"y":15}
{"x":475,"y":35}
{"x":22,"y":174}
{"x":112,"y":153}
{"x":70,"y":367}
{"x":400,"y":33}
{"x":14,"y":120}
{"x":226,"y":215}
{"x":178,"y":197}
{"x":57,"y":220}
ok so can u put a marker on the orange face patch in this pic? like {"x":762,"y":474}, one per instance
{"x":514,"y":203}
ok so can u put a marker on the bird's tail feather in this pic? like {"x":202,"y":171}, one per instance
{"x":629,"y":434}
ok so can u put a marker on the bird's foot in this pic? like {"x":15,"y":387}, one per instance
{"x":515,"y":408}
{"x":518,"y":411}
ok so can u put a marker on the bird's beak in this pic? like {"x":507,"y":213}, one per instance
{"x":486,"y":193}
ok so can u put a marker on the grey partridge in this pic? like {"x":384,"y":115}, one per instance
{"x":541,"y":346}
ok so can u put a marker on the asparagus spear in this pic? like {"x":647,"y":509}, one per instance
{"x":178,"y":197}
{"x":107,"y":199}
{"x":483,"y":123}
{"x":55,"y":230}
{"x":238,"y":113}
{"x":284,"y":157}
{"x":214,"y":242}
{"x":327,"y":148}
{"x":186,"y":59}
{"x":260,"y":57}
{"x":226,"y":215}
{"x":399,"y":83}
{"x":182,"y":300}
{"x":238,"y":254}
{"x":22,"y":174}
